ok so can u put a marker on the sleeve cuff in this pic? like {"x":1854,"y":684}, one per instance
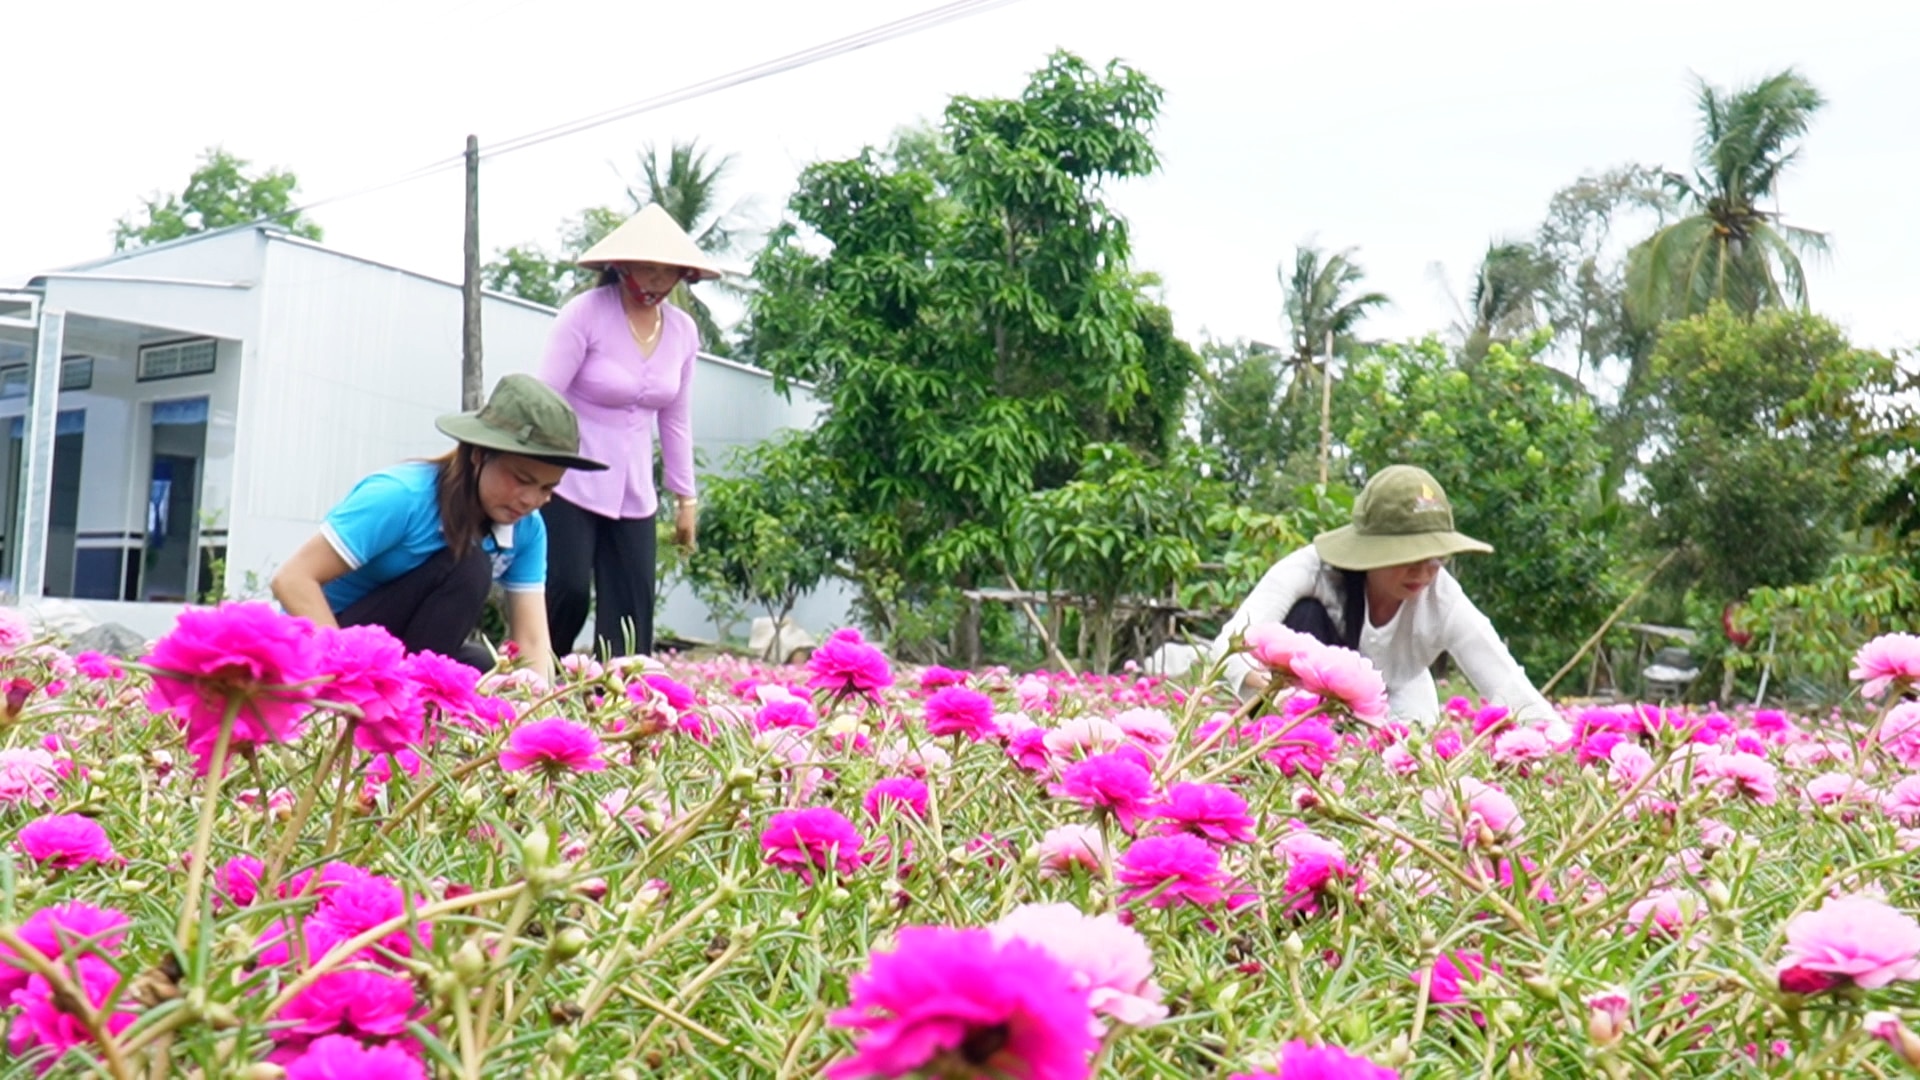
{"x":339,"y":546}
{"x":524,"y":590}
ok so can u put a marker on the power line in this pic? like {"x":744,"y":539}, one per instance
{"x":925,"y":20}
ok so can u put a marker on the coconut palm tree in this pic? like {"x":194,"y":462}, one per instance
{"x":1320,"y":300}
{"x":1727,"y":247}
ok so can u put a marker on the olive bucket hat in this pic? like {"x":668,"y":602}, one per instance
{"x":1401,"y":517}
{"x":524,"y":416}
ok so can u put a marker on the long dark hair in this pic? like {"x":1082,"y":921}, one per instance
{"x":463,"y":521}
{"x":1353,"y":607}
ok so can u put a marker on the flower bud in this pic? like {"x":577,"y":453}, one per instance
{"x":469,"y":963}
{"x":536,"y":849}
{"x":1544,"y":987}
{"x":1887,"y":1027}
{"x":568,"y":943}
{"x":1719,"y":897}
{"x":741,"y":776}
{"x":1293,"y":947}
{"x":1607,"y":1018}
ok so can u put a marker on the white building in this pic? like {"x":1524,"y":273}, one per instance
{"x":218,"y":394}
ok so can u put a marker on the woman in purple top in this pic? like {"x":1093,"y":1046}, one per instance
{"x":623,"y":358}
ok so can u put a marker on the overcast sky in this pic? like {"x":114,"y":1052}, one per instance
{"x":1414,"y":130}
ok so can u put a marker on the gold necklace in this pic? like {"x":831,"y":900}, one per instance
{"x":647,"y":341}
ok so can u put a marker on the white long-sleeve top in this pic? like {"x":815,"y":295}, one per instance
{"x":1439,"y":619}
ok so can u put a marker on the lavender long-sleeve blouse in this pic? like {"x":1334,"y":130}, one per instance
{"x":620,"y":396}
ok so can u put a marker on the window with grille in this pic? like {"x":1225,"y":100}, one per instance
{"x":176,"y":358}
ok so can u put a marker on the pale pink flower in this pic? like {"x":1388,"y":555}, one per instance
{"x":1737,"y":774}
{"x":1887,"y":1027}
{"x":1628,"y":764}
{"x":1108,"y":958}
{"x":1832,"y":788}
{"x":1854,"y":940}
{"x":1084,"y":736}
{"x":1900,"y":734}
{"x":1275,"y":646}
{"x":1886,"y":660}
{"x":1902,"y":801}
{"x":1303,"y":1061}
{"x":1477,"y":812}
{"x":29,"y":776}
{"x":1608,"y":1016}
{"x":1520,"y":746}
{"x":1664,"y":912}
{"x":1032,"y":692}
{"x":1399,"y":760}
{"x":1344,"y":677}
{"x":914,"y":761}
{"x":15,"y":632}
{"x":1066,"y":846}
{"x":1150,"y":728}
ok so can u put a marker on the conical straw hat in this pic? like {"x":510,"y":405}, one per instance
{"x":651,"y":236}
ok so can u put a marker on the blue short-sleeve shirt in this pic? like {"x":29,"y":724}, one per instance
{"x":390,"y":523}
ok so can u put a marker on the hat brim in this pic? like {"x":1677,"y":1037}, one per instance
{"x":698,"y":273}
{"x":467,"y":428}
{"x":1350,"y":549}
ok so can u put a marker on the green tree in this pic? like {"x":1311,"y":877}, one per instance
{"x":1756,"y":427}
{"x":1728,"y":248}
{"x":1516,"y":450}
{"x":220,"y":193}
{"x":1322,"y":298}
{"x":1509,"y":299}
{"x":966,"y":314}
{"x":529,"y":272}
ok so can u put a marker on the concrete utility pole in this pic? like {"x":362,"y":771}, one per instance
{"x":1326,"y":408}
{"x":472,"y":381}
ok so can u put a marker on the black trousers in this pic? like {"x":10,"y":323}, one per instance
{"x":607,"y":562}
{"x":436,"y":606}
{"x":1310,"y":616}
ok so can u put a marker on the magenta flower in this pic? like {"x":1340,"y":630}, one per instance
{"x":790,"y":712}
{"x":247,"y":655}
{"x":66,"y":842}
{"x":448,"y":688}
{"x":1067,"y":846}
{"x":339,"y":1057}
{"x":1108,"y":959}
{"x":1111,"y":782}
{"x":1299,"y":1061}
{"x":1303,"y":745}
{"x":905,"y":794}
{"x":935,"y":677}
{"x":1853,"y":940}
{"x":1208,"y":811}
{"x":845,"y":665}
{"x":1451,"y":971}
{"x":238,"y":880}
{"x":1309,"y":877}
{"x":952,"y":1002}
{"x":350,"y":1001}
{"x":72,"y":929}
{"x":817,"y":838}
{"x":1886,"y":660}
{"x":680,"y":697}
{"x":1177,"y":869}
{"x":358,"y":903}
{"x":368,"y":669}
{"x":956,"y":710}
{"x":554,"y":745}
{"x":1344,"y":677}
{"x":30,"y":776}
{"x":44,"y":1026}
{"x":98,"y":666}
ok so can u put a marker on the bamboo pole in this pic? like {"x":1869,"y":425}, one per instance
{"x":1608,"y":624}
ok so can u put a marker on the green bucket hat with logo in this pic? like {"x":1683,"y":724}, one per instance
{"x":1401,"y":517}
{"x":526,"y":417}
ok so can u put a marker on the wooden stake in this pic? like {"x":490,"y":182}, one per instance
{"x":472,"y":382}
{"x":1608,"y":624}
{"x":1326,"y":408}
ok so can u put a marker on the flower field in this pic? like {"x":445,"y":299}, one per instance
{"x":267,"y":851}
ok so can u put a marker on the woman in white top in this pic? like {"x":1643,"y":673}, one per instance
{"x":1380,"y":586}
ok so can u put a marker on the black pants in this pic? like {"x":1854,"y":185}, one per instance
{"x":608,"y":561}
{"x":1310,"y":616}
{"x":435,"y":606}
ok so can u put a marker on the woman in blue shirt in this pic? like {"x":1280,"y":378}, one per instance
{"x":416,"y":548}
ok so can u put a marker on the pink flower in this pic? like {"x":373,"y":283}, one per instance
{"x":1344,"y":677}
{"x":936,"y":677}
{"x":555,"y":745}
{"x":1149,"y":727}
{"x":1083,"y":736}
{"x":1520,"y":746}
{"x":951,"y":1002}
{"x":1111,"y":782}
{"x":1854,"y":940}
{"x":1208,"y":811}
{"x":72,"y":929}
{"x":66,"y":842}
{"x":788,"y":712}
{"x":1067,"y":846}
{"x":1831,"y":788}
{"x":30,"y":776}
{"x":1886,"y":660}
{"x":956,"y":710}
{"x":43,"y":1025}
{"x":1301,"y":746}
{"x":845,"y":665}
{"x":1451,"y":971}
{"x":1737,"y":774}
{"x":1446,"y":744}
{"x":98,"y":666}
{"x":14,"y":630}
{"x":239,"y":879}
{"x":1628,"y":764}
{"x":680,"y":697}
{"x":447,"y":687}
{"x":1477,"y":812}
{"x":339,"y":1057}
{"x":1275,"y":646}
{"x":1665,"y":912}
{"x":1608,"y":1016}
{"x":368,"y":666}
{"x":905,"y":794}
{"x":1108,"y":959}
{"x":1173,"y":870}
{"x":817,"y":838}
{"x":1299,"y":1061}
{"x":1310,"y":876}
{"x":1902,"y":801}
{"x":1900,"y":734}
{"x":350,"y":1001}
{"x":247,"y":656}
{"x":359,"y":901}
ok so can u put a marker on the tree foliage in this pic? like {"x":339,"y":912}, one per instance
{"x":1518,"y":455}
{"x":219,"y":194}
{"x":1756,"y":424}
{"x":963,"y":307}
